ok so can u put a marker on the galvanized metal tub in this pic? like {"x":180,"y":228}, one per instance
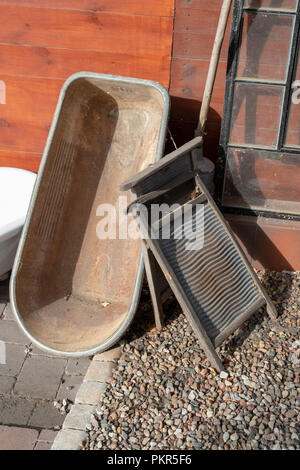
{"x":74,"y":294}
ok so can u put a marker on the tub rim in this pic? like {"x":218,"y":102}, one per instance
{"x":113,"y":339}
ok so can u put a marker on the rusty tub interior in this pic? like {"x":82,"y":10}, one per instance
{"x":74,"y":292}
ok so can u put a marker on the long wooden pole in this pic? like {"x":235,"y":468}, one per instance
{"x":213,"y":66}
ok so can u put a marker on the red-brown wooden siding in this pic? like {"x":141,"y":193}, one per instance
{"x":194,"y":31}
{"x":42,"y":42}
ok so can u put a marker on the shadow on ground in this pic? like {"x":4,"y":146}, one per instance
{"x":4,"y":291}
{"x":144,"y":319}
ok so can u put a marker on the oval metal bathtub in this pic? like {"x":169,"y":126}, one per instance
{"x":73,"y":291}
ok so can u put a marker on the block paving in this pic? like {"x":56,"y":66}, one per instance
{"x":30,"y":381}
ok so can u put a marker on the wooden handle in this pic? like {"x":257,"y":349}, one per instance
{"x":213,"y":66}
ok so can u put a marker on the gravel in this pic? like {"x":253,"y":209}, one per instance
{"x":63,"y":406}
{"x":165,"y":395}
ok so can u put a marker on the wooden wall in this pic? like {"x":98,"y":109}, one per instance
{"x":42,"y":42}
{"x":194,"y":31}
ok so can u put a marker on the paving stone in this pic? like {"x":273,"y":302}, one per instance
{"x":78,"y":417}
{"x":78,"y":366}
{"x":69,"y":387}
{"x":47,"y":435}
{"x":69,"y":439}
{"x":89,"y":393}
{"x":40,"y":377}
{"x":15,"y":356}
{"x":99,"y":371}
{"x":8,"y":314}
{"x":45,"y":415}
{"x":15,"y":410}
{"x":35,"y":351}
{"x":43,"y":445}
{"x":16,"y":438}
{"x":10,"y":332}
{"x":2,"y":354}
{"x":110,"y":355}
{"x":6,"y":384}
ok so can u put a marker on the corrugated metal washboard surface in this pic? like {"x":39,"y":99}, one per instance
{"x":213,"y":277}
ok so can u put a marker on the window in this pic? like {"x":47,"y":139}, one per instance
{"x":260,"y":140}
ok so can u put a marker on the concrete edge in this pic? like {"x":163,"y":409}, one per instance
{"x":73,"y":434}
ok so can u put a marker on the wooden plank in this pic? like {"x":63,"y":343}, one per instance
{"x":163,"y":163}
{"x":204,"y":5}
{"x":61,"y":63}
{"x":141,"y":35}
{"x":135,"y":7}
{"x":188,"y":78}
{"x":196,"y":46}
{"x":196,"y":21}
{"x":48,"y":39}
{"x":154,"y":286}
{"x":24,"y":160}
{"x":29,"y":99}
{"x":23,"y":136}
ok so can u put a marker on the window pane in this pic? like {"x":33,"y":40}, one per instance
{"x":293,"y":133}
{"x":263,"y":180}
{"x":255,"y":114}
{"x":298,"y":69}
{"x":265,"y":46}
{"x":275,"y":4}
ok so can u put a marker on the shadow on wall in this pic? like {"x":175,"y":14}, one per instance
{"x":183,"y":122}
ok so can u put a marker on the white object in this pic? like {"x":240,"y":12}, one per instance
{"x":16,"y":187}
